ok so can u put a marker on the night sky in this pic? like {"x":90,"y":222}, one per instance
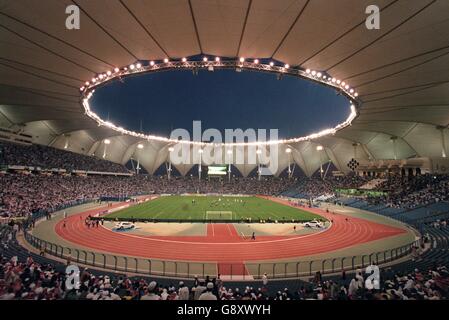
{"x":223,"y":99}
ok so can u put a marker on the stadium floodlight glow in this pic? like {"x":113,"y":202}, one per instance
{"x":139,"y":65}
{"x":131,"y":67}
{"x":100,"y":76}
{"x":140,"y":146}
{"x":205,"y":59}
{"x":288,"y":150}
{"x":88,"y":90}
{"x":319,"y":148}
{"x":109,"y":73}
{"x":184,"y":59}
{"x":286,"y":66}
{"x":107,"y":141}
{"x":319,"y":74}
{"x":347,"y":87}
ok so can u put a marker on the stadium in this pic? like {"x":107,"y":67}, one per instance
{"x":107,"y":195}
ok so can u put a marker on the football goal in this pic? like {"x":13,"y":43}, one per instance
{"x":219,"y":215}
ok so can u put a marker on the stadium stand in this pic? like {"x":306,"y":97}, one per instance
{"x":29,"y":276}
{"x":419,"y":201}
{"x":25,"y":194}
{"x":51,"y":158}
{"x":26,"y":275}
{"x":317,"y":187}
{"x":423,"y":194}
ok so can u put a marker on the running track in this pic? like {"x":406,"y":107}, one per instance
{"x":222,"y":244}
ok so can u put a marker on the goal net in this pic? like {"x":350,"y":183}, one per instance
{"x":219,"y":215}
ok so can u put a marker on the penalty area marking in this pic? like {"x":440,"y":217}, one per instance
{"x":152,"y":238}
{"x":217,"y":215}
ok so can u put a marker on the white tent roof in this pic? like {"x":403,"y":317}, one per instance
{"x":400,"y":70}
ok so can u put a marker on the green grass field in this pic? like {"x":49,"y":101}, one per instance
{"x":213,"y":208}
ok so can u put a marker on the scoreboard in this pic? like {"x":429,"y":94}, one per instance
{"x":217,"y":170}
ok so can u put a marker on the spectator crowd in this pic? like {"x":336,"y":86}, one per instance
{"x":24,"y":194}
{"x":52,"y":158}
{"x":315,"y":187}
{"x":28,"y":280}
{"x":405,"y":192}
{"x":412,"y":191}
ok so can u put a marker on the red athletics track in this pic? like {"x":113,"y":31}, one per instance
{"x":222,"y":244}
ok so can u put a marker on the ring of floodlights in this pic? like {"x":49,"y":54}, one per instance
{"x":239,"y":64}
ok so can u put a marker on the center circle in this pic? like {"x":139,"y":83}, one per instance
{"x":157,"y":103}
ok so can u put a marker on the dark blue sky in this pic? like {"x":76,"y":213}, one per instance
{"x":221,"y":99}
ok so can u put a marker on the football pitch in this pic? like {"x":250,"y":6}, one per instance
{"x":186,"y":208}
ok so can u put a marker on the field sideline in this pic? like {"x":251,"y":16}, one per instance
{"x":213,"y":208}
